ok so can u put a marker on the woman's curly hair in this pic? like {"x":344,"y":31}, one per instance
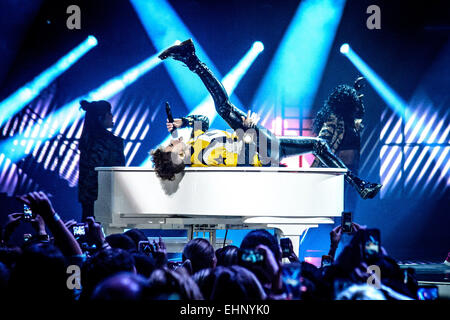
{"x":164,"y":166}
{"x":344,"y":102}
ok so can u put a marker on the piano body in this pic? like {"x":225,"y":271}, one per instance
{"x":206,"y":199}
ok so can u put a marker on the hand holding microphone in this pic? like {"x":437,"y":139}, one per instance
{"x":172,"y":124}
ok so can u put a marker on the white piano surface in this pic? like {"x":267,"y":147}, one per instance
{"x":289,"y":199}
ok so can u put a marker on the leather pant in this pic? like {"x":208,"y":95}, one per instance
{"x":270,"y":147}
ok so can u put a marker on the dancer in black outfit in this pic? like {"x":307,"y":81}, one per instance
{"x":339,"y":123}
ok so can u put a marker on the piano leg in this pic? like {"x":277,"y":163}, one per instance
{"x":292,"y":232}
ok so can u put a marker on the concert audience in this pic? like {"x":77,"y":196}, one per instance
{"x":232,"y":282}
{"x":129,"y":267}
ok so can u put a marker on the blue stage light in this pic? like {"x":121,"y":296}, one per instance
{"x":345,"y":48}
{"x":19,"y":99}
{"x":164,"y":26}
{"x":58,"y":121}
{"x":383,"y":89}
{"x":92,"y":41}
{"x":230,"y":82}
{"x":410,"y":152}
{"x":294,"y":74}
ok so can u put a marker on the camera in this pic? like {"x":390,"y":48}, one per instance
{"x":251,"y":257}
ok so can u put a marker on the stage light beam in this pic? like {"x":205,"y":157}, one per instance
{"x":164,"y":26}
{"x":294,"y":73}
{"x":345,"y":48}
{"x":392,"y":99}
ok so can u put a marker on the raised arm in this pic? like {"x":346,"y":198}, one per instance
{"x":39,"y":203}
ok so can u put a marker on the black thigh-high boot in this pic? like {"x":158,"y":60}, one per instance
{"x":319,"y":147}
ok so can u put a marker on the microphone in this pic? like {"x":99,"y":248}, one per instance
{"x":170,"y":118}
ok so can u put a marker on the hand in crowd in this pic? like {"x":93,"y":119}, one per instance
{"x":335,"y":236}
{"x":159,"y":252}
{"x":336,"y":233}
{"x":39,"y":204}
{"x":12,"y":222}
{"x":271,"y":267}
{"x":160,"y":246}
{"x":95,"y":233}
{"x":38,"y":224}
{"x":292,"y":256}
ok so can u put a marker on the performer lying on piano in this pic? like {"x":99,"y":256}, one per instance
{"x":250,"y":144}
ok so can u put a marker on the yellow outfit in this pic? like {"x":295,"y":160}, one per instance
{"x":219,"y":148}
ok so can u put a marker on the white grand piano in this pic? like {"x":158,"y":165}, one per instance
{"x":206,"y":199}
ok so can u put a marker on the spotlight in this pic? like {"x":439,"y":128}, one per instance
{"x":177,"y":42}
{"x":305,"y":46}
{"x":345,"y":48}
{"x":258,"y":46}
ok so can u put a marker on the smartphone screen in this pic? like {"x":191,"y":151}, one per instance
{"x":285,"y":247}
{"x":291,"y":277}
{"x":145,"y":247}
{"x":326,"y":261}
{"x":27,"y":213}
{"x":247,"y":256}
{"x":79,"y":230}
{"x":346,"y":222}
